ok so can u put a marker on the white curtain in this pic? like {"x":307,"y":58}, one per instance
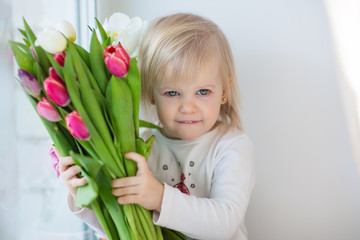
{"x":344,"y":18}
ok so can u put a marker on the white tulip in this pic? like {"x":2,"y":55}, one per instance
{"x":67,"y":29}
{"x":128,"y":32}
{"x":51,"y":40}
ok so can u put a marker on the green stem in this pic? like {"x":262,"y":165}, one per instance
{"x":146,"y":223}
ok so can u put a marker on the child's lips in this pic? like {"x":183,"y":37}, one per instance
{"x":188,"y":121}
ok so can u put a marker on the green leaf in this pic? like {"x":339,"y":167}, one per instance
{"x":26,"y":49}
{"x":102,"y":216}
{"x":146,"y":124}
{"x":90,"y":169}
{"x":146,"y":222}
{"x":39,"y":73}
{"x":23,"y":59}
{"x":119,"y":99}
{"x":82,"y":52}
{"x":144,"y":148}
{"x":86,"y":194}
{"x":41,"y":56}
{"x":115,"y":209}
{"x":134,"y":82}
{"x":29,"y":33}
{"x":109,"y":222}
{"x":97,"y":63}
{"x":172,"y":235}
{"x":23,"y":33}
{"x":40,"y":53}
{"x":103,"y":34}
{"x":90,"y":165}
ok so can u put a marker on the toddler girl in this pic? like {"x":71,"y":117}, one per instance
{"x":199,"y":175}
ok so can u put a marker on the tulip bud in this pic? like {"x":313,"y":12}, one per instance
{"x":117,"y":60}
{"x":57,"y":91}
{"x":67,"y":29}
{"x":51,"y":40}
{"x":76,"y":126}
{"x":54,"y":161}
{"x":47,"y":111}
{"x":29,"y":83}
{"x":60,"y":58}
{"x":53,"y":73}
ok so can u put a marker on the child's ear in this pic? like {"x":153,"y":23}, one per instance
{"x":224,"y":97}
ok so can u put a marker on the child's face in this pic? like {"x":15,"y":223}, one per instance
{"x":191,"y":107}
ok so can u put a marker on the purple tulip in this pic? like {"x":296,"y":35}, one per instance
{"x":54,"y":161}
{"x":117,"y":60}
{"x":29,"y":83}
{"x":47,"y":111}
{"x":57,"y":91}
{"x":76,"y":126}
{"x":60,"y":58}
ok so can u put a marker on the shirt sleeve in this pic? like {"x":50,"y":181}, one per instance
{"x":86,"y":215}
{"x":220,"y":215}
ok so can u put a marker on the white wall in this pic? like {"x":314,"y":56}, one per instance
{"x":307,"y":186}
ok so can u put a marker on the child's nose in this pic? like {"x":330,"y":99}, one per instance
{"x":188,"y":106}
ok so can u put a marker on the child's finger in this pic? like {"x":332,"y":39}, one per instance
{"x":118,"y":192}
{"x":78,"y":182}
{"x":140,"y":161}
{"x":70,"y":172}
{"x":128,"y":199}
{"x":125,"y":182}
{"x":65,"y":163}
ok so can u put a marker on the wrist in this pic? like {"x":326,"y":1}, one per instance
{"x":158,"y":205}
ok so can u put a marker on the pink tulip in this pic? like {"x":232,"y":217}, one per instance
{"x":57,"y":91}
{"x":54,"y":161}
{"x":60,"y":58}
{"x":47,"y":111}
{"x":76,"y":126}
{"x":29,"y":83}
{"x":53,"y":73}
{"x":117,"y":60}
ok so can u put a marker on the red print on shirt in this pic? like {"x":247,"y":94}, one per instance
{"x":181,"y":185}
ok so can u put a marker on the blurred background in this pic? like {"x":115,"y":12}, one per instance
{"x":297,"y":64}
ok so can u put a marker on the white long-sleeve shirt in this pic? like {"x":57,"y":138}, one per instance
{"x":208,"y":182}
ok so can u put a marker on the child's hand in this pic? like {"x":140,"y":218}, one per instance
{"x":68,"y":172}
{"x":141,"y":189}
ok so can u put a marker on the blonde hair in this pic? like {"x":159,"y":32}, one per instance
{"x":179,"y":44}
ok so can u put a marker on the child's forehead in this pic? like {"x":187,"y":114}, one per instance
{"x":190,"y":72}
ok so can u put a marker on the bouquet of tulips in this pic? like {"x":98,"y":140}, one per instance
{"x":89,"y":103}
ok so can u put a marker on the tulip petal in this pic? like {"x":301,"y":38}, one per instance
{"x":76,"y":126}
{"x":57,"y":91}
{"x":29,"y":83}
{"x":67,"y":29}
{"x":47,"y":111}
{"x":54,"y":161}
{"x":51,"y":41}
{"x":117,"y":60}
{"x":118,"y":21}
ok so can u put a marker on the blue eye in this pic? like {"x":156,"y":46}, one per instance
{"x":172,"y":93}
{"x":203,"y":92}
